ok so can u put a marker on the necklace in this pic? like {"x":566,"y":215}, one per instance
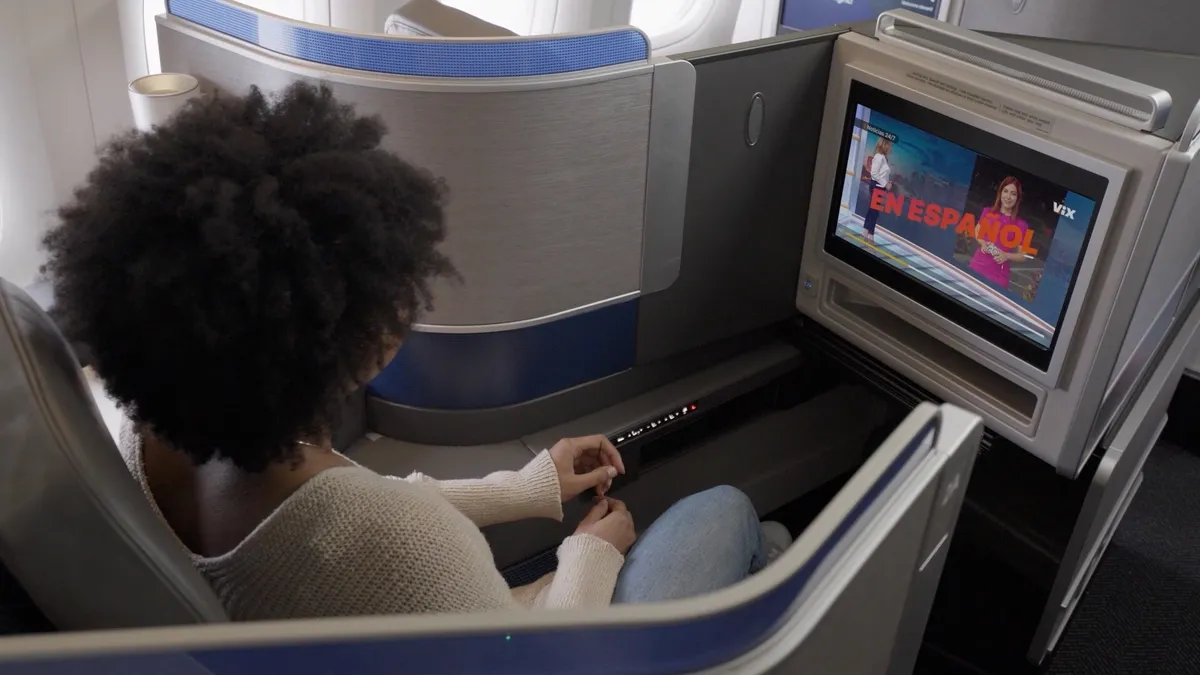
{"x":312,"y":445}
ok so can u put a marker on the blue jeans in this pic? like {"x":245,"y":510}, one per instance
{"x":703,"y":543}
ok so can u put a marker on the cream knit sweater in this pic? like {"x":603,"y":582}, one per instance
{"x":352,"y":542}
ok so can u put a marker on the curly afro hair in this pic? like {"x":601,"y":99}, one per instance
{"x":237,"y":271}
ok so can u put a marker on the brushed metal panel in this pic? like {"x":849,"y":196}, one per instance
{"x":667,"y":173}
{"x":1164,"y":25}
{"x":1178,"y":74}
{"x":547,"y":186}
{"x":1092,"y":91}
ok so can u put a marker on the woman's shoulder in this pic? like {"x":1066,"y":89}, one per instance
{"x":352,"y":511}
{"x":359,"y":543}
{"x":352,"y":488}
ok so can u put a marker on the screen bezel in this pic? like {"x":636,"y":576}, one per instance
{"x":1073,"y":178}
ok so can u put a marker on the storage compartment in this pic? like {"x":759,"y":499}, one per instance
{"x":949,"y":364}
{"x":1013,"y":533}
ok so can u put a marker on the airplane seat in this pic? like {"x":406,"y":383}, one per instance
{"x":593,"y":194}
{"x":430,"y":18}
{"x":76,"y":532}
{"x":700,"y":24}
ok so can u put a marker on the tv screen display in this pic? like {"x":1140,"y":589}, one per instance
{"x":810,"y":14}
{"x":986,"y":232}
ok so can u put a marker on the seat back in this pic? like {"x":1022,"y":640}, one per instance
{"x":76,"y":531}
{"x":431,"y":18}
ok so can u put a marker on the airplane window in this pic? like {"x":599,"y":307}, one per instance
{"x":151,"y":9}
{"x":659,"y":16}
{"x":292,"y":9}
{"x":676,"y":26}
{"x":515,"y":16}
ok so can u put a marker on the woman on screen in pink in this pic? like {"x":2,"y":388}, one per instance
{"x":993,"y":260}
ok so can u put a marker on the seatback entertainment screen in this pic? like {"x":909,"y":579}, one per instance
{"x":987,"y":232}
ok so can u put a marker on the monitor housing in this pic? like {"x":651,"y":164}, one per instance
{"x":1052,"y":396}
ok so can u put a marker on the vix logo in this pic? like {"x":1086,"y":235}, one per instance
{"x":1062,"y":210}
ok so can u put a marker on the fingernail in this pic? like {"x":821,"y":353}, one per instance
{"x":612,"y":472}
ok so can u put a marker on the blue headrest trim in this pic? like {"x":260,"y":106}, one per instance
{"x":424,"y":57}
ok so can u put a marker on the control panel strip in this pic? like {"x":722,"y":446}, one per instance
{"x":668,"y":418}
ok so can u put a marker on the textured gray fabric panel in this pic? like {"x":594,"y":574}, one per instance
{"x":75,"y":529}
{"x":547,"y":186}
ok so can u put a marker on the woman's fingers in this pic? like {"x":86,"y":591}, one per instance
{"x":597,"y":512}
{"x":593,"y":451}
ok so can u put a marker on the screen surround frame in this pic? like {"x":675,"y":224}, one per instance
{"x":929,"y":320}
{"x":1077,"y":181}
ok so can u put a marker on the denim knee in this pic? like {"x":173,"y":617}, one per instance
{"x":729,"y":504}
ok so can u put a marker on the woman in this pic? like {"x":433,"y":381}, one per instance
{"x":993,"y":260}
{"x":237,"y":272}
{"x":881,"y":179}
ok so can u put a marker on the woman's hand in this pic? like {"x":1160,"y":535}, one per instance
{"x":610,"y":521}
{"x":588,"y":462}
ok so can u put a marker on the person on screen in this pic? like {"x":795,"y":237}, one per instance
{"x":237,"y":272}
{"x":881,"y":179}
{"x":993,"y":261}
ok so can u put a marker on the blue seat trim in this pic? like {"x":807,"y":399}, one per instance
{"x":633,"y":650}
{"x":471,"y":371}
{"x":424,"y":57}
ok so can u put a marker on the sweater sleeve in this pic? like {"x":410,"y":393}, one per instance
{"x":587,"y":573}
{"x":351,"y":543}
{"x":504,"y":496}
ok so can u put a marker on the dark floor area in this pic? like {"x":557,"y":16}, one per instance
{"x":1141,"y":612}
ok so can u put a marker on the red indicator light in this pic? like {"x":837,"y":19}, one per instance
{"x":693,"y":406}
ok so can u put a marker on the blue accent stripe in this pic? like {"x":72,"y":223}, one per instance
{"x":446,"y":371}
{"x":423,"y":57}
{"x":689,"y":646}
